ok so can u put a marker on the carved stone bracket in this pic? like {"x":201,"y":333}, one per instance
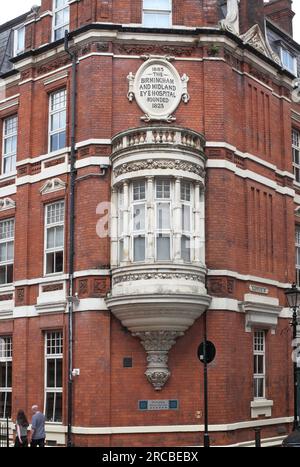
{"x":157,"y":345}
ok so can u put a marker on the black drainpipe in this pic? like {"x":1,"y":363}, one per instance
{"x":73,"y":56}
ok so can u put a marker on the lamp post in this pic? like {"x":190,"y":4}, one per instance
{"x":293,"y":299}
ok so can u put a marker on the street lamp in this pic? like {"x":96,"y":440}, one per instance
{"x":293,"y":300}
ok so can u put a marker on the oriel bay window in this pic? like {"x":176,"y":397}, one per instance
{"x":5,"y":376}
{"x":53,"y":376}
{"x":54,"y":237}
{"x":156,"y":220}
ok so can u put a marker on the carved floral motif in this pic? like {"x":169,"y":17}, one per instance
{"x":157,"y":276}
{"x":151,"y":164}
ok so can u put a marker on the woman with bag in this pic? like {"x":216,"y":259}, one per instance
{"x":21,"y":429}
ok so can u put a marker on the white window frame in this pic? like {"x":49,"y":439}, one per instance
{"x":7,"y":240}
{"x":164,"y":232}
{"x":293,"y":70}
{"x":5,"y":137}
{"x":296,"y":147}
{"x":142,"y":232}
{"x":259,"y":349}
{"x":156,"y":11}
{"x":190,"y":204}
{"x":66,"y":26}
{"x":7,"y":358}
{"x":48,"y":227}
{"x":58,"y":337}
{"x":51,"y":114}
{"x":17,"y":31}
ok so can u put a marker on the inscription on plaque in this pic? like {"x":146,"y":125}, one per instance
{"x":159,"y":405}
{"x":158,"y":89}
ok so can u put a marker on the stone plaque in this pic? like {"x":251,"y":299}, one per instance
{"x":158,"y":405}
{"x":258,"y":289}
{"x":158,"y":89}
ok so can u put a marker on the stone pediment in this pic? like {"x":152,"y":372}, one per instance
{"x":53,"y":185}
{"x":7,"y":203}
{"x":256,"y":39}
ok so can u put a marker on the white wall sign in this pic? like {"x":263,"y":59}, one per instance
{"x":258,"y":289}
{"x":158,"y":89}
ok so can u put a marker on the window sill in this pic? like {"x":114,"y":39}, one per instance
{"x":261,"y":408}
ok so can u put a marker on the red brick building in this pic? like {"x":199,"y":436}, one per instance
{"x":185,"y":160}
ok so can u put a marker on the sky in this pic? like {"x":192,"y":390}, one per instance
{"x":14,"y":8}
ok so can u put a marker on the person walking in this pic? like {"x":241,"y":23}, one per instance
{"x":38,"y":434}
{"x":22,"y":425}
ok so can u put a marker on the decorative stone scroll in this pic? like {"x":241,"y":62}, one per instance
{"x":158,"y":89}
{"x":231,"y":23}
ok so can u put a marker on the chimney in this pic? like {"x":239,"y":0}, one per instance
{"x":251,"y":13}
{"x":281,"y":13}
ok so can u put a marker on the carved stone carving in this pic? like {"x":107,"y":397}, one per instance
{"x":20,"y":296}
{"x":151,"y":164}
{"x":53,"y":185}
{"x":256,"y":39}
{"x":158,"y":276}
{"x":58,"y":63}
{"x":157,"y":345}
{"x":158,"y":89}
{"x":7,"y":203}
{"x":52,"y":288}
{"x":154,"y":49}
{"x":231,"y":23}
{"x":83,"y":287}
{"x":100,"y":287}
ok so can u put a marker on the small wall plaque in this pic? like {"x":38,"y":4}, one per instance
{"x":258,"y":289}
{"x":159,"y":405}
